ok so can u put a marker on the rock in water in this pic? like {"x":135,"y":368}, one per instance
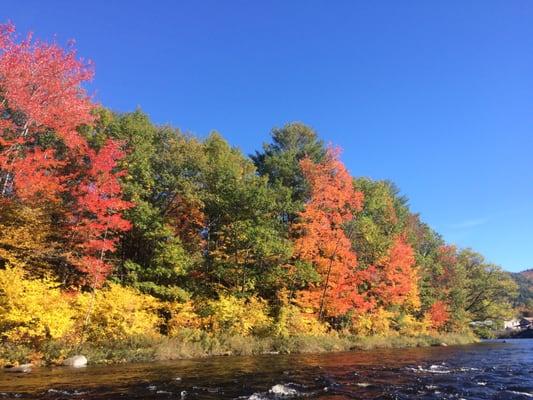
{"x":75,"y":361}
{"x":282,"y":390}
{"x":22,"y":368}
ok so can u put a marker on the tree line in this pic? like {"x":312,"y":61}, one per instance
{"x":92,"y":201}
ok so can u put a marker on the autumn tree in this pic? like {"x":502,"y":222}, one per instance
{"x":438,"y":314}
{"x":42,"y":104}
{"x":96,"y":217}
{"x":323,"y":242}
{"x":46,"y":165}
{"x":380,"y":222}
{"x":394,"y":279}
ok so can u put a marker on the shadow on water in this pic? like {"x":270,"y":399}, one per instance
{"x":490,"y":370}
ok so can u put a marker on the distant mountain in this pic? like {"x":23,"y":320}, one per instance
{"x":528,"y":273}
{"x":524,"y":280}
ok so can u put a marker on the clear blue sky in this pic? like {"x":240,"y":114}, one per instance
{"x":436,"y":96}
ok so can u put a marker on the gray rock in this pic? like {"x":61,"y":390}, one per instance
{"x":75,"y":361}
{"x":22,"y":368}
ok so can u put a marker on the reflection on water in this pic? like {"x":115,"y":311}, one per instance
{"x":486,"y":371}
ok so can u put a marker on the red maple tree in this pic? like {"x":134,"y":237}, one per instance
{"x":96,"y":217}
{"x":44,"y":158}
{"x":42,"y":103}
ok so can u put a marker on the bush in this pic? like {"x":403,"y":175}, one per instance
{"x":183,"y":316}
{"x":377,"y":322}
{"x":237,"y":316}
{"x":292,"y":321}
{"x":408,"y":325}
{"x":32,"y":310}
{"x":118,"y":313}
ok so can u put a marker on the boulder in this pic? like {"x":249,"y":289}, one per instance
{"x":22,"y":368}
{"x":75,"y":361}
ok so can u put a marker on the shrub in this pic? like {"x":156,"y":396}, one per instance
{"x":408,"y":325}
{"x":236,"y":316}
{"x":117,"y":313}
{"x":292,"y":321}
{"x":183,"y":316}
{"x":376,"y":322}
{"x":32,"y":310}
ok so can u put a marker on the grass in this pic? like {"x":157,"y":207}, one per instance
{"x":200,"y":344}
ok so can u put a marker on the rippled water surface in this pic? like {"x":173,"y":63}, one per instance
{"x":485,"y":371}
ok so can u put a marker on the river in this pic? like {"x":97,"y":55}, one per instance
{"x":489,"y":370}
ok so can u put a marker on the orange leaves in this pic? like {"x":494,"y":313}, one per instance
{"x":322,"y":239}
{"x":187,"y":218}
{"x":394,"y":279}
{"x":439,"y":314}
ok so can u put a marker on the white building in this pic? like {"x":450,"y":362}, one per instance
{"x":512,"y":324}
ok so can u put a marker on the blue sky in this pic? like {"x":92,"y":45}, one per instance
{"x":436,"y":96}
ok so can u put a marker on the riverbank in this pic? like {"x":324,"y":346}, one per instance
{"x":150,"y":349}
{"x":520,"y":334}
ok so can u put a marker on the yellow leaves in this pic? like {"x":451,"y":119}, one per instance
{"x":119,"y":313}
{"x":292,"y":321}
{"x":376,"y":322}
{"x":183,"y":316}
{"x":32,"y":310}
{"x":24,"y":234}
{"x":238,"y":316}
{"x":410,"y":326}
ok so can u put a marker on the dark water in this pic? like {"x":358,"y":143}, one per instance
{"x":483,"y":371}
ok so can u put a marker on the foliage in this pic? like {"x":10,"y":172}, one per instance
{"x":280,"y":162}
{"x":292,"y":321}
{"x":119,"y":313}
{"x":32,"y":310}
{"x":44,"y":160}
{"x":26,"y":237}
{"x":394,"y":279}
{"x":376,"y":322}
{"x":237,"y":316}
{"x":183,"y":316}
{"x":113,"y":229}
{"x":323,"y":242}
{"x":96,"y":214}
{"x":524,"y":280}
{"x":408,"y":325}
{"x":439,"y":315}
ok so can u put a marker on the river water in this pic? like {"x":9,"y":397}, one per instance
{"x":490,"y":370}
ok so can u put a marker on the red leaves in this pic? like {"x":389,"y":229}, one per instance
{"x":323,"y":241}
{"x":43,"y":158}
{"x":439,"y":314}
{"x":42,"y":82}
{"x":36,"y":175}
{"x":97,"y":212}
{"x":40,"y":93}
